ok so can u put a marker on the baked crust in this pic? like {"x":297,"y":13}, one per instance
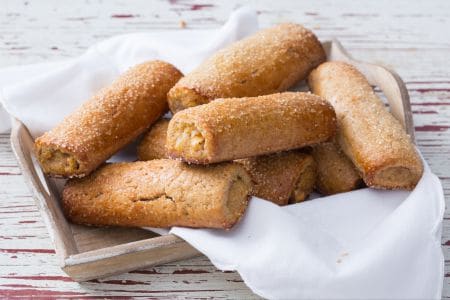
{"x":335,"y":171}
{"x":270,"y":61}
{"x":108,"y":121}
{"x":368,"y":134}
{"x":228,"y":129}
{"x":159,"y":193}
{"x":282,"y":178}
{"x":153,"y":144}
{"x":285,"y":177}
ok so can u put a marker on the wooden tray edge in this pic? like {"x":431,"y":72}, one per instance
{"x":95,"y":263}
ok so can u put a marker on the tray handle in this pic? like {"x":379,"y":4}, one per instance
{"x":43,"y":191}
{"x":387,"y":80}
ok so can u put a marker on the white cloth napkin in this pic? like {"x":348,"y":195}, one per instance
{"x":362,"y":244}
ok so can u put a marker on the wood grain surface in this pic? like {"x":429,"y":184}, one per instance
{"x":411,"y":37}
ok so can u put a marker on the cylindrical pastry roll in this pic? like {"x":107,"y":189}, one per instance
{"x":270,"y":61}
{"x":368,"y":134}
{"x":159,"y":193}
{"x":282,"y":178}
{"x":335,"y":171}
{"x":228,"y":129}
{"x":153,"y":144}
{"x":108,"y":121}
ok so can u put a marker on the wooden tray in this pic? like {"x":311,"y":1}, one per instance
{"x":87,"y":253}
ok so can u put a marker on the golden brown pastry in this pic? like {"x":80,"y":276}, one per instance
{"x":368,"y":134}
{"x":153,"y":144}
{"x":159,"y":193}
{"x":282,"y":178}
{"x":267,"y":62}
{"x":335,"y":171}
{"x":108,"y":121}
{"x":228,"y":129}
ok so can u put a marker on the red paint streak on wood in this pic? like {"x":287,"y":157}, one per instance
{"x":27,"y":222}
{"x":425,"y":112}
{"x":190,"y":7}
{"x":432,"y":128}
{"x":165,"y":292}
{"x":432,"y":103}
{"x":59,"y":278}
{"x":123,"y":16}
{"x":137,"y":292}
{"x":35,"y":292}
{"x":27,"y":251}
{"x":119,"y":282}
{"x":187,"y":271}
{"x":14,"y":285}
{"x":145,"y":272}
{"x":195,"y":7}
{"x":429,"y":90}
{"x":9,"y":173}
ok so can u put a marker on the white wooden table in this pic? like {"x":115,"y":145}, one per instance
{"x":413,"y":37}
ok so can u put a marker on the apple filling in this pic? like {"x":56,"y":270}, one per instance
{"x":56,"y":162}
{"x":190,"y":141}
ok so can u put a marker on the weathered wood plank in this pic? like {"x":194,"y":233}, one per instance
{"x":34,"y":31}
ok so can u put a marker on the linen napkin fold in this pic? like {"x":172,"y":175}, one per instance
{"x":362,"y":244}
{"x":365,"y":244}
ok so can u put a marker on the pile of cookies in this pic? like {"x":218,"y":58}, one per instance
{"x":235,"y":132}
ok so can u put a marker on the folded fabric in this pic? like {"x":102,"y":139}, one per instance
{"x":366,"y":244}
{"x":362,"y":244}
